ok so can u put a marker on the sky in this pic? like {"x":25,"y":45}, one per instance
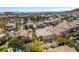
{"x":33,"y":9}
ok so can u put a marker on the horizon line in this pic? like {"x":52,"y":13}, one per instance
{"x":35,"y":9}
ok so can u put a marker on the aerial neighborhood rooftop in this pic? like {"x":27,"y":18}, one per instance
{"x":37,"y":32}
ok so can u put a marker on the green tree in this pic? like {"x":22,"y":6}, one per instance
{"x":64,"y":41}
{"x":66,"y":17}
{"x":35,"y":46}
{"x":15,"y":43}
{"x":4,"y":48}
{"x":18,"y":25}
{"x":2,"y":24}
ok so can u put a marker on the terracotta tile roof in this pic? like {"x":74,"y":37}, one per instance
{"x":21,"y":33}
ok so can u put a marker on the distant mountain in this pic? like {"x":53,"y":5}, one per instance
{"x":77,"y":9}
{"x":73,"y":11}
